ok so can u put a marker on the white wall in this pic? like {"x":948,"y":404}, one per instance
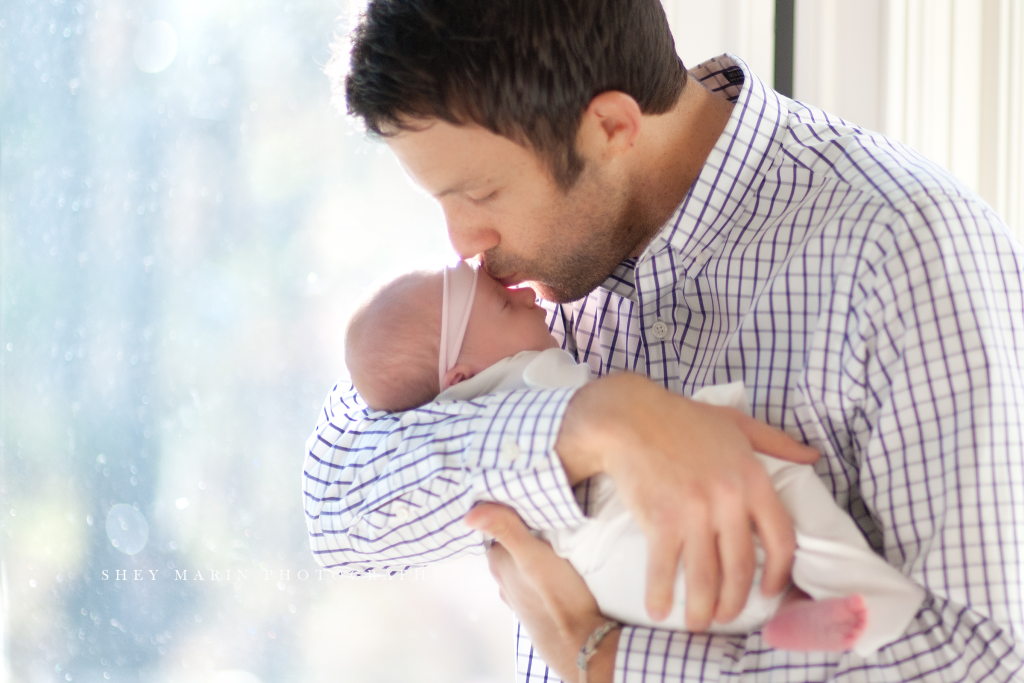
{"x":839,"y":61}
{"x":707,"y":28}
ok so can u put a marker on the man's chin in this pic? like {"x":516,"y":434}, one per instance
{"x":558,"y":294}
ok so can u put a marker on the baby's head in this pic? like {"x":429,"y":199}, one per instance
{"x":393,"y":346}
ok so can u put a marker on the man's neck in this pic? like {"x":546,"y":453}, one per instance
{"x":676,"y":145}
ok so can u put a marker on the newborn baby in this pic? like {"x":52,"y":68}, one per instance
{"x":458,"y":334}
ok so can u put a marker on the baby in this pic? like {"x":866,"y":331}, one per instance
{"x":458,"y":334}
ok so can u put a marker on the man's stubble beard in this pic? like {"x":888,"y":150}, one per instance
{"x":566,"y":279}
{"x":570,"y":272}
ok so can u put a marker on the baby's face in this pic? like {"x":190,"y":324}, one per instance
{"x":502,"y":323}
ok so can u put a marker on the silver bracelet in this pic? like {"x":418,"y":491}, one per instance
{"x":589,"y":648}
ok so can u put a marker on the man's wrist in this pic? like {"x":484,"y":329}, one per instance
{"x":601,"y":667}
{"x":590,"y":650}
{"x":592,"y":425}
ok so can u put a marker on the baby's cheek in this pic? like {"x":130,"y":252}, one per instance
{"x":502,"y":342}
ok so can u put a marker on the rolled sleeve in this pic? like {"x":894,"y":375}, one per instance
{"x":512,"y":459}
{"x":387,"y":491}
{"x":648,"y":654}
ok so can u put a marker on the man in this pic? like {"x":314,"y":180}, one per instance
{"x":694,"y":229}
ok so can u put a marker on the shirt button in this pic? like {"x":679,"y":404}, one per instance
{"x":660,"y":329}
{"x":702,"y":258}
{"x":510,"y":451}
{"x":402,"y":513}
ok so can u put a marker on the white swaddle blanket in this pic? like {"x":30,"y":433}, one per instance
{"x":610,"y":551}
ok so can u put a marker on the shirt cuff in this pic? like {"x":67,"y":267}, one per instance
{"x":512,"y":458}
{"x":648,"y":654}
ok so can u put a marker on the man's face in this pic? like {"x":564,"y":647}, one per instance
{"x":502,"y":204}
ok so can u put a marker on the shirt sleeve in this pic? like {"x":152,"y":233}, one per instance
{"x":916,"y":383}
{"x":388,"y":490}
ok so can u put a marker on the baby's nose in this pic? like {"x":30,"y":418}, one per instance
{"x":525,"y":296}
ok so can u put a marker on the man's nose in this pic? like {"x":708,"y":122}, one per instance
{"x":468,"y":233}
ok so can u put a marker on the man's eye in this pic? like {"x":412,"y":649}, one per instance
{"x":482,"y":200}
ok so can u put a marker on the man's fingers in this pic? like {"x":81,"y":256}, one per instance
{"x":700,"y":565}
{"x":736,"y":551}
{"x":767,"y":439}
{"x":775,"y":528}
{"x":662,"y":564}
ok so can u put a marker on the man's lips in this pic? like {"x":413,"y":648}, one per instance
{"x":510,"y":281}
{"x":505,"y":280}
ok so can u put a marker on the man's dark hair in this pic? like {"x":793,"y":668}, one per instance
{"x":524,"y":69}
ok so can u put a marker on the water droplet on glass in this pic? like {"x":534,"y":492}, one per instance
{"x":236,"y":675}
{"x":155,"y":47}
{"x":127,"y":529}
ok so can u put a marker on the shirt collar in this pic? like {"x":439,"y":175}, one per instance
{"x":741,"y":157}
{"x":622,"y":281}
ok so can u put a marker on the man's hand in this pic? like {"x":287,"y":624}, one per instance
{"x":687,"y":473}
{"x":546,"y":593}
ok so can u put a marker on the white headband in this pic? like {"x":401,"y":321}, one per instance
{"x":456,"y":303}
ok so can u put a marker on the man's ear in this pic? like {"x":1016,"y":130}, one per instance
{"x":460,"y":373}
{"x":609,"y":126}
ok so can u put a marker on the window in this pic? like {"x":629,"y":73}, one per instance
{"x":186,"y":225}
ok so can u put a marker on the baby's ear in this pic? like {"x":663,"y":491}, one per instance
{"x":460,"y":373}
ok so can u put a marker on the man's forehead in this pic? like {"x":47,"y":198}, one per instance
{"x":444,"y":157}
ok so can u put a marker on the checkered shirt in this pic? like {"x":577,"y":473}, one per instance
{"x":872,"y":305}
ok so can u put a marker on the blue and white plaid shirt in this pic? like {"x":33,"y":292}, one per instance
{"x":874,"y":308}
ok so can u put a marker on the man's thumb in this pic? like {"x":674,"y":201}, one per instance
{"x":497,"y":521}
{"x":532,"y":555}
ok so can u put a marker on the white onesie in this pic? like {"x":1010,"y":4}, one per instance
{"x":610,"y":552}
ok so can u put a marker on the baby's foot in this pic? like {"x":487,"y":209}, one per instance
{"x":824,"y":625}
